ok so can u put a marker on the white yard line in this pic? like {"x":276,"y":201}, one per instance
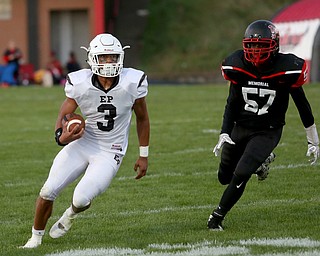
{"x":242,"y":247}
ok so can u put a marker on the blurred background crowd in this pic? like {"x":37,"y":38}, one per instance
{"x":179,"y":41}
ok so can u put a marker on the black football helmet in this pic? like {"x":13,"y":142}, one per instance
{"x":260,"y":42}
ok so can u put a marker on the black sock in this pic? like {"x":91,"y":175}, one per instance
{"x":219,"y":212}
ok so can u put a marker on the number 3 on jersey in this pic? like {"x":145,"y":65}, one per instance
{"x":111,"y":113}
{"x":252,"y":105}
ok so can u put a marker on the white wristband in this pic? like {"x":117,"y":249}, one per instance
{"x":144,"y":151}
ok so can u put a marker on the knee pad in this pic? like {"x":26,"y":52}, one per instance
{"x":80,"y":201}
{"x":243,"y":176}
{"x":224,"y":177}
{"x":48,"y":193}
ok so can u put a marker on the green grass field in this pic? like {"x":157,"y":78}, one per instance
{"x":166,"y":212}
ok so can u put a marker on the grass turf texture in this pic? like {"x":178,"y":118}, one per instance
{"x":166,"y":211}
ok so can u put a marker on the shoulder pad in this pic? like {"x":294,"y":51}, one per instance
{"x":234,"y":60}
{"x":288,"y":62}
{"x":78,"y":76}
{"x":133,"y":75}
{"x":234,"y":68}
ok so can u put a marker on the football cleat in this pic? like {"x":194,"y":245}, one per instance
{"x":33,"y":242}
{"x":61,"y":227}
{"x":215,"y":223}
{"x":263,"y":171}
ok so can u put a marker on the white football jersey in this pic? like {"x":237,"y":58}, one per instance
{"x":108,"y":112}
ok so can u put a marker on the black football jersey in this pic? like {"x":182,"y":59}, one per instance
{"x":260,"y":100}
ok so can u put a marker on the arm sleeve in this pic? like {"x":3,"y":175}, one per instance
{"x":303,"y":106}
{"x":230,"y":111}
{"x":142,"y":86}
{"x":69,"y":88}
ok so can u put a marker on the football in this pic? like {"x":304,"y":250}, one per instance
{"x":72,"y":120}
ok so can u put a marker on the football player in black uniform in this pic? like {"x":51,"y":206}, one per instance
{"x":261,"y":80}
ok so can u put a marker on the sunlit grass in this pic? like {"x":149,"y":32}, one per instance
{"x":172,"y":203}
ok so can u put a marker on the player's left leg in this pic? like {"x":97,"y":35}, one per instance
{"x":62,"y":226}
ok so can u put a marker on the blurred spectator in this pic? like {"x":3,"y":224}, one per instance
{"x":56,"y":69}
{"x":43,"y":77}
{"x":72,"y":64}
{"x":9,"y":72}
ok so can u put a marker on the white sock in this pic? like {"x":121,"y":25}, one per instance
{"x":37,"y":234}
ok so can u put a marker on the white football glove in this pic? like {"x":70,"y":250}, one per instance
{"x":313,"y":143}
{"x":224,"y":137}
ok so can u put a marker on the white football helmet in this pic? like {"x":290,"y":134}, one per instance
{"x":105,"y":44}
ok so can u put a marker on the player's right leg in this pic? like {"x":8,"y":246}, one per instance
{"x":102,"y":167}
{"x":42,"y":214}
{"x":230,"y":156}
{"x":62,"y":172}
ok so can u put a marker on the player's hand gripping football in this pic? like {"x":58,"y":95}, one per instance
{"x":224,"y":137}
{"x":69,"y":136}
{"x":141,"y":167}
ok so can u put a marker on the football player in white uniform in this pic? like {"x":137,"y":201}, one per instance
{"x":106,"y":95}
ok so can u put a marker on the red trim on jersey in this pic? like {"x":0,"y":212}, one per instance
{"x":244,"y":71}
{"x":234,"y":68}
{"x":227,"y":78}
{"x":300,"y":81}
{"x":303,"y":76}
{"x":274,"y":75}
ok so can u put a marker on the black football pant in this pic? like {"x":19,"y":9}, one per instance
{"x":240,"y":161}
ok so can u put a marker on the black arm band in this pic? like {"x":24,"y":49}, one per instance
{"x":57,"y":134}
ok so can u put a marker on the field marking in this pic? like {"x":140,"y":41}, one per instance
{"x":211,"y":131}
{"x":173,"y":174}
{"x":185,"y":151}
{"x":293,"y":166}
{"x":177,"y":174}
{"x":213,"y":248}
{"x":276,"y":202}
{"x":213,"y":251}
{"x":288,"y":242}
{"x":165,"y":209}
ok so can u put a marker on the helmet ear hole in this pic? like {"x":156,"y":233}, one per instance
{"x":260,"y":42}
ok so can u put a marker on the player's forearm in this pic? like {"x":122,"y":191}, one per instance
{"x":68,"y":106}
{"x":143,"y":131}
